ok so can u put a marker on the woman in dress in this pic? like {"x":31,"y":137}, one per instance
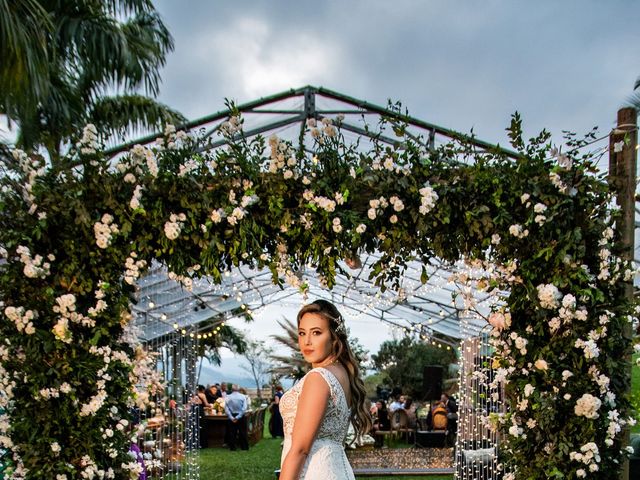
{"x":317,"y":410}
{"x":276,"y":419}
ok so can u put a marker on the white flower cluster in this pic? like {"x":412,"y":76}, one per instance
{"x":95,"y":403}
{"x":517,"y":231}
{"x":90,"y":470}
{"x":600,"y":379}
{"x":389,"y":165}
{"x":100,"y":306}
{"x":283,"y":158}
{"x":173,"y":227}
{"x":139,"y":158}
{"x":104,"y":230}
{"x":609,"y":261}
{"x":66,"y":307}
{"x":337,"y":226}
{"x":589,"y":455}
{"x":34,"y":267}
{"x":186,"y":282}
{"x":326,"y":204}
{"x":248,"y":200}
{"x":563,"y":160}
{"x":397,"y":204}
{"x":145,"y":377}
{"x":428,"y":199}
{"x":237,"y":214}
{"x":587,"y":406}
{"x":326,"y":130}
{"x":48,"y":393}
{"x":32,"y":168}
{"x":172,"y":137}
{"x":23,"y":320}
{"x":549,"y":296}
{"x":134,"y":203}
{"x":562,"y":187}
{"x":133,"y":267}
{"x":61,"y":330}
{"x":89,"y":142}
{"x":361,"y":228}
{"x":377,"y":205}
{"x":590,"y":348}
{"x":500,"y":320}
{"x":232,"y":126}
{"x":540,"y":209}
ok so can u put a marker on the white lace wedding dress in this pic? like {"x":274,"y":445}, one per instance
{"x":326,"y":460}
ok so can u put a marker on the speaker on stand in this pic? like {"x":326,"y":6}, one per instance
{"x":432,"y":382}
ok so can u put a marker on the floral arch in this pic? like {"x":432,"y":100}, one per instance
{"x":536,"y":226}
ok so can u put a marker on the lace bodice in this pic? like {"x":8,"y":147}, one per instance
{"x":326,"y":459}
{"x":336,"y":419}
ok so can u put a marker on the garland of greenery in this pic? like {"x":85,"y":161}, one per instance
{"x":76,"y":235}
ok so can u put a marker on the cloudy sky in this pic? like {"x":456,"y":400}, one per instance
{"x":463,"y":65}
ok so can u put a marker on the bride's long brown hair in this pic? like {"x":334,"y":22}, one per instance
{"x":340,"y":349}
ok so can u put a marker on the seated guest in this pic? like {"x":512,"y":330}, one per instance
{"x":397,"y":403}
{"x":410,"y":408}
{"x":381,"y":422}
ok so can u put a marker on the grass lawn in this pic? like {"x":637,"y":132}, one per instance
{"x":263,"y":459}
{"x":260,"y":462}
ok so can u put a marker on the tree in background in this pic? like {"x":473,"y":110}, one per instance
{"x":401,"y":362}
{"x":68,"y":64}
{"x":293,"y":364}
{"x":257,"y":354}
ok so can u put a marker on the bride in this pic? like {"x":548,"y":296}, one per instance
{"x":318,"y":409}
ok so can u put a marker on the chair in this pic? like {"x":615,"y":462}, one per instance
{"x":400,"y":423}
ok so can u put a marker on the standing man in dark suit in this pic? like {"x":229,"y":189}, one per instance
{"x":235,"y":406}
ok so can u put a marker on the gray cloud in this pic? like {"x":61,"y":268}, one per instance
{"x":564,"y":65}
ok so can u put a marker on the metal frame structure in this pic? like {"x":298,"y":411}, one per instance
{"x":164,"y":307}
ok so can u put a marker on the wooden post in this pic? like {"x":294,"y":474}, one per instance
{"x":622,"y":176}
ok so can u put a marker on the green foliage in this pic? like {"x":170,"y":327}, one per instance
{"x":402,"y":362}
{"x":59,"y":59}
{"x":202,"y":212}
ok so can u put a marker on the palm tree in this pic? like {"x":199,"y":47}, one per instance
{"x":65,"y":58}
{"x":293,"y":365}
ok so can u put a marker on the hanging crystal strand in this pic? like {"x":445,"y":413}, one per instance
{"x":192,"y":457}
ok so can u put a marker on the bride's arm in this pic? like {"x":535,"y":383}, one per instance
{"x":312,"y":404}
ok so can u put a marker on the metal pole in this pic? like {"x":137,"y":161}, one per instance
{"x":622,"y":176}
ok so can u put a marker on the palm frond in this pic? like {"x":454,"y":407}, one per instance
{"x":24,"y":26}
{"x":634,"y":100}
{"x":119,"y":114}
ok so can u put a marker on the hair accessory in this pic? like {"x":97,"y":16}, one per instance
{"x":340,"y":326}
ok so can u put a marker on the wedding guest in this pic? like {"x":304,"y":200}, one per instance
{"x":223,"y":390}
{"x":247,"y":398}
{"x":219,"y":393}
{"x":198,"y":404}
{"x":410,"y":408}
{"x":211,"y":393}
{"x":397,"y":403}
{"x":277,"y":429}
{"x":381,"y":422}
{"x":235,"y":407}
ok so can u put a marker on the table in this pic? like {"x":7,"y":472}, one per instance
{"x":214,"y":427}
